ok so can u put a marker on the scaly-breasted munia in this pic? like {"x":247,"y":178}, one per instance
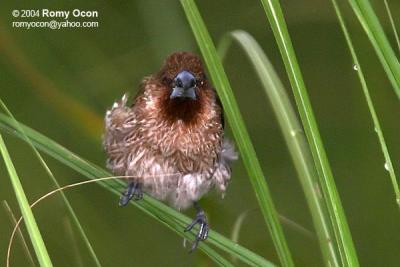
{"x":171,"y":139}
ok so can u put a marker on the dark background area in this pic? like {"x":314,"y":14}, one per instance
{"x":60,"y":82}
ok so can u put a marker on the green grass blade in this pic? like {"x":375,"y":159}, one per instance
{"x":240,"y":133}
{"x":378,"y":39}
{"x":53,"y":178}
{"x":21,"y":237}
{"x":221,"y":261}
{"x":388,"y":162}
{"x":396,"y":35}
{"x":331,"y":196}
{"x":294,"y":137}
{"x":152,"y":207}
{"x":30,"y":222}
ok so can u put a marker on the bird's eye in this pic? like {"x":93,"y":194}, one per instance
{"x":193,"y":83}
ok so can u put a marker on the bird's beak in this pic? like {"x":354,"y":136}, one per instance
{"x":179,"y":92}
{"x":185,"y":86}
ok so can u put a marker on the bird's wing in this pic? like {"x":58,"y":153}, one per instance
{"x":121,"y":131}
{"x":119,"y":125}
{"x":120,"y":120}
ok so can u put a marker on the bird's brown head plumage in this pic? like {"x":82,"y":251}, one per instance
{"x":181,"y":61}
{"x":182,"y":88}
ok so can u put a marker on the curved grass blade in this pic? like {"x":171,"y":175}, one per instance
{"x":152,"y":207}
{"x":378,"y":39}
{"x":240,"y":133}
{"x":331,"y":196}
{"x":294,"y":137}
{"x":30,"y":222}
{"x":388,"y":162}
{"x":54,"y":180}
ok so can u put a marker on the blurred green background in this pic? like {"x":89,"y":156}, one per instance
{"x":60,"y":82}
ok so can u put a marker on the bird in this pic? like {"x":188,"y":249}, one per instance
{"x":170,"y":140}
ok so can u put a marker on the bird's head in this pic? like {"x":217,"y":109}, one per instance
{"x":184,"y":77}
{"x":186,"y":93}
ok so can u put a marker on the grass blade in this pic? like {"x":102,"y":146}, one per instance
{"x":332,"y":199}
{"x":240,"y":133}
{"x":24,"y":245}
{"x":54,"y":180}
{"x":294,"y":137}
{"x":30,"y":222}
{"x":388,"y":162}
{"x":152,"y":207}
{"x":378,"y":39}
{"x":396,"y":35}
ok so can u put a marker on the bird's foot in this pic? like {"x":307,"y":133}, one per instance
{"x":134,"y":190}
{"x":202,"y":234}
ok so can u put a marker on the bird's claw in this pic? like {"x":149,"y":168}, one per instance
{"x":202,"y":234}
{"x":133,"y":191}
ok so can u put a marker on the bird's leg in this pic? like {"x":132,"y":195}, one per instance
{"x":134,"y":190}
{"x":201,"y":220}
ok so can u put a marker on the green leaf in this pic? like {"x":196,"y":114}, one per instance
{"x":329,"y":191}
{"x":294,"y":137}
{"x":379,"y":41}
{"x":152,"y":207}
{"x":30,"y":222}
{"x":240,"y":133}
